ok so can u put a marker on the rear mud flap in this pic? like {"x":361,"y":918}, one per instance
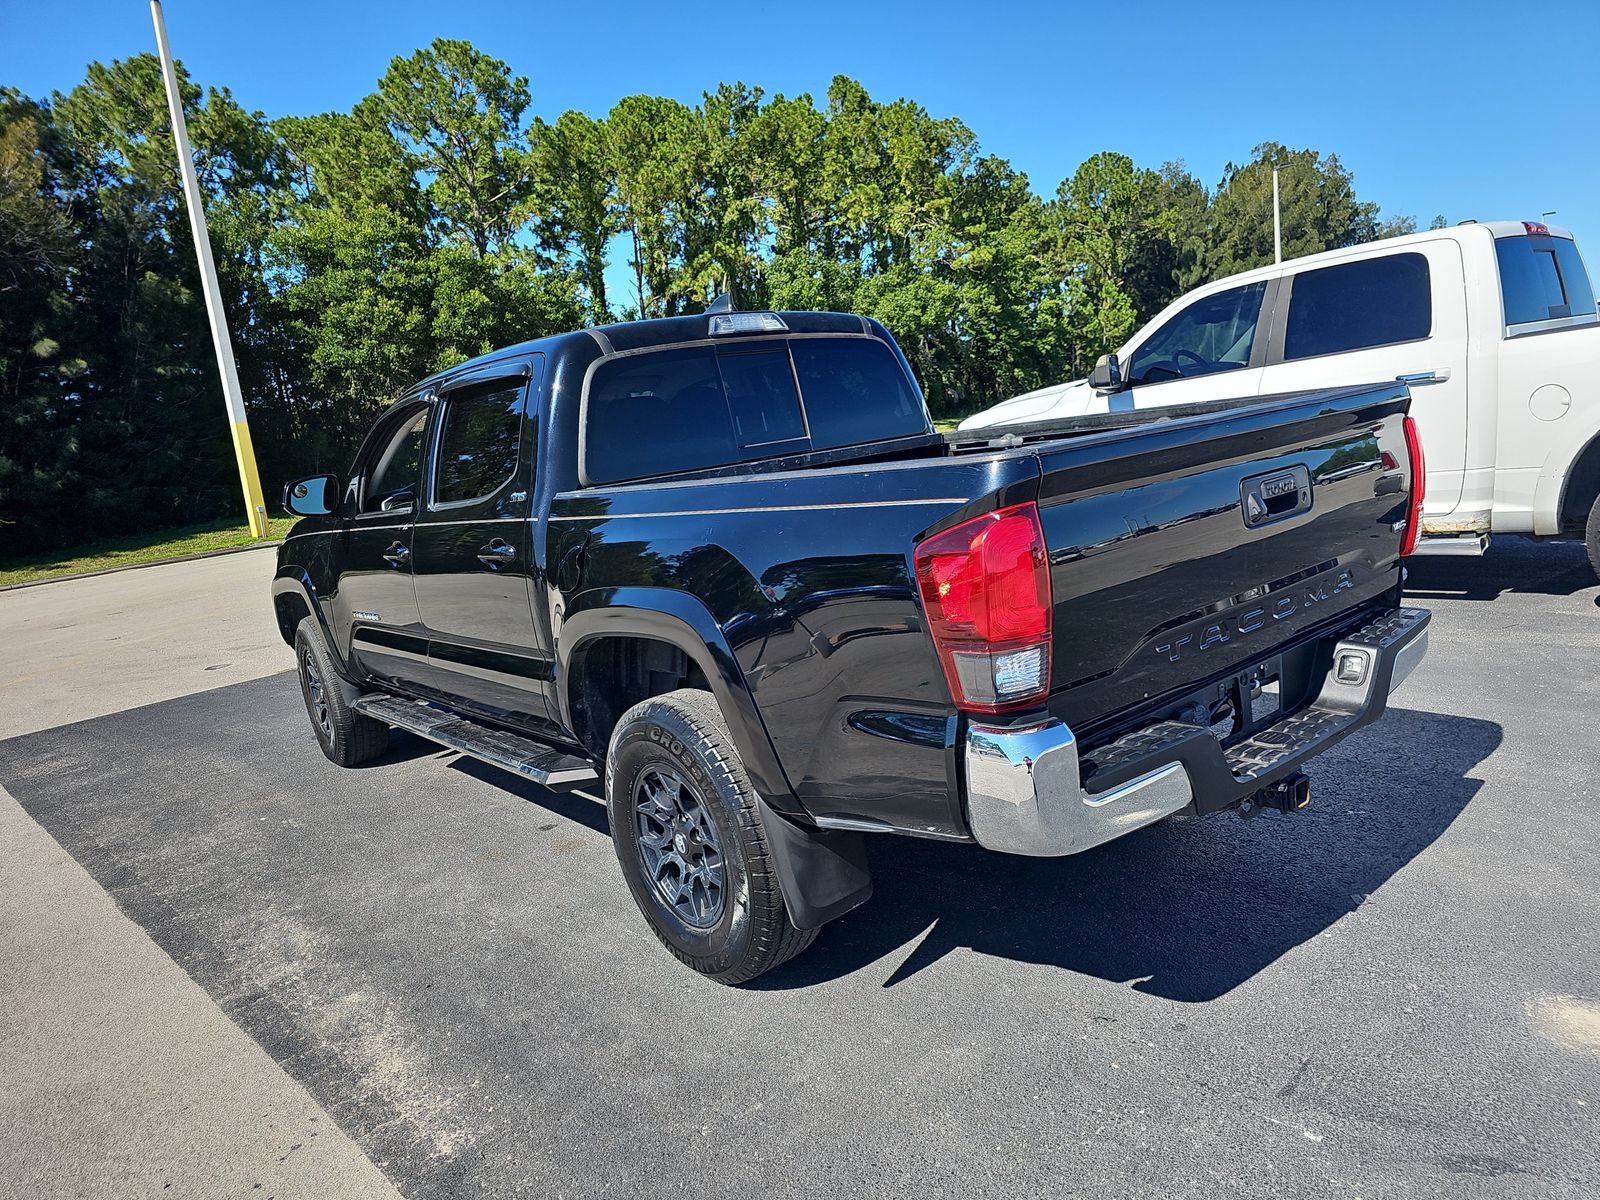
{"x":823,"y":871}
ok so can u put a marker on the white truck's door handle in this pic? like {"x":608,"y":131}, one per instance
{"x":1439,"y":376}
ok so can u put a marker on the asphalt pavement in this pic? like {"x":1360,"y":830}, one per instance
{"x":1396,"y":993}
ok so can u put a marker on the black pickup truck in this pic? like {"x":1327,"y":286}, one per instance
{"x":725,"y":562}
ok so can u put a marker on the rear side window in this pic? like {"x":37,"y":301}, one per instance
{"x":479,"y":435}
{"x":1542,"y":279}
{"x":1354,"y":306}
{"x":693,"y":407}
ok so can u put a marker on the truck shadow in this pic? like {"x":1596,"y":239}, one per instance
{"x":1186,"y":910}
{"x":1512,"y":564}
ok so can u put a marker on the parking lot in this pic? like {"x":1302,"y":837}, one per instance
{"x":1396,"y":993}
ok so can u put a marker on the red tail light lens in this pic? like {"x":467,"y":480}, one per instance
{"x":986,"y":589}
{"x":1419,"y":485}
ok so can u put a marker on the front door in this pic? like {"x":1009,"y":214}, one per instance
{"x":374,"y":606}
{"x":473,"y":548}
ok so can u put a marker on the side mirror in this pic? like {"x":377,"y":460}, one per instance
{"x":315,"y":496}
{"x":1107,"y":374}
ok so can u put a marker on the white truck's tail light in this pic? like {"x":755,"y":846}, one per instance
{"x":986,"y":589}
{"x":1419,"y":485}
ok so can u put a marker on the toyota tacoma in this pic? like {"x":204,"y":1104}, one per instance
{"x":723,"y":569}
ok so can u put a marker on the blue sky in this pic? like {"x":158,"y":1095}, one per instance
{"x":1435,"y":109}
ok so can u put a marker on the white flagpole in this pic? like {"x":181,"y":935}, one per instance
{"x":1277,"y":221}
{"x":249,"y":478}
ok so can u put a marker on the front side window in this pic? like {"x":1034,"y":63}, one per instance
{"x":391,"y":482}
{"x":1358,"y":305}
{"x":1215,"y":333}
{"x":1542,"y":279}
{"x":480,"y":431}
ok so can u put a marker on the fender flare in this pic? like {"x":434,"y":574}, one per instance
{"x":294,"y":580}
{"x":681,"y":620}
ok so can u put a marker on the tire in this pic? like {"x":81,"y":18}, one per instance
{"x":1591,"y":536}
{"x":347,"y":737}
{"x":680,"y":803}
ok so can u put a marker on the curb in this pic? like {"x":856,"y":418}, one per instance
{"x":139,"y":566}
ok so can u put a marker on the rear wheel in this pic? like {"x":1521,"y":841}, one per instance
{"x":347,"y":737}
{"x":1591,"y":536}
{"x":688,"y":835}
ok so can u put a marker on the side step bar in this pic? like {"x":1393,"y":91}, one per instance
{"x":558,"y":771}
{"x":1461,"y":545}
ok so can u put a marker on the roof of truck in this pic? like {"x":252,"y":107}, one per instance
{"x":660,"y":331}
{"x":1496,"y":229}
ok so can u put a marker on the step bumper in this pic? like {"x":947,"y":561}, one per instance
{"x":1025,"y":791}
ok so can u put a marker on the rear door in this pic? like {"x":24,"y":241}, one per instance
{"x":472,"y":551}
{"x":1379,"y":317}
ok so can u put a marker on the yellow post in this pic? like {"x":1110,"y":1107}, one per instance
{"x":254,"y":503}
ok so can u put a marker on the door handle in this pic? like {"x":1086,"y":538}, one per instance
{"x":497,"y":553}
{"x":398,"y":555}
{"x":1442,"y":375}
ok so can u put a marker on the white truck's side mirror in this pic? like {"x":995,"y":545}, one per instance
{"x":1107,"y":374}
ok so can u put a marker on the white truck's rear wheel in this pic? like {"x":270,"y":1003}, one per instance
{"x":1591,"y":536}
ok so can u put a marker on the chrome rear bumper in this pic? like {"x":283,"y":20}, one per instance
{"x":1025,"y":792}
{"x":1024,"y":796}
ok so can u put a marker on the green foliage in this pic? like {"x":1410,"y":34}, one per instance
{"x":435,"y":220}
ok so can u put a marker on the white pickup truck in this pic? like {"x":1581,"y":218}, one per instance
{"x":1492,"y":324}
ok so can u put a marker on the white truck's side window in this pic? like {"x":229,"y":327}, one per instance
{"x":1541,"y":280}
{"x":1215,"y":333}
{"x":1357,"y":305}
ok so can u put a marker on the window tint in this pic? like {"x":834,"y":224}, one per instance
{"x":652,"y":414}
{"x":477,"y":443}
{"x":398,"y":467}
{"x":710,"y":406}
{"x":1374,"y":302}
{"x":856,"y":391}
{"x":759,"y":385}
{"x":1542,"y":279}
{"x":1213,"y":334}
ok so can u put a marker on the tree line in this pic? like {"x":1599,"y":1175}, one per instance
{"x":437,"y":220}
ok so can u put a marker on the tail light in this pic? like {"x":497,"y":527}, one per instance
{"x":1419,"y":485}
{"x":986,"y":590}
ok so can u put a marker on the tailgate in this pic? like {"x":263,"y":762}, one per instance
{"x":1187,"y":549}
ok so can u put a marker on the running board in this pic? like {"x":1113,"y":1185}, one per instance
{"x":533,"y":760}
{"x":1464,"y":545}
